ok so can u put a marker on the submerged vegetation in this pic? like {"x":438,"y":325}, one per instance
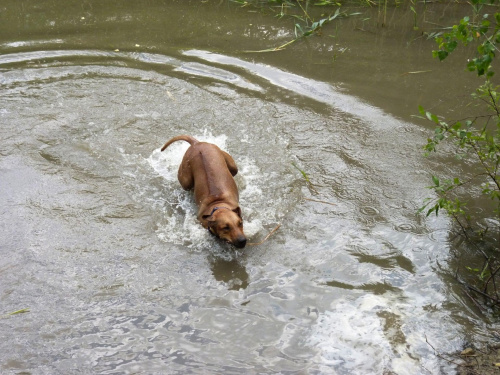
{"x":305,"y":22}
{"x":9,"y":315}
{"x":310,"y":17}
{"x":311,"y":27}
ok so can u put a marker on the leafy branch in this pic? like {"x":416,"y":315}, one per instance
{"x":466,"y":31}
{"x":477,"y":143}
{"x":481,"y":144}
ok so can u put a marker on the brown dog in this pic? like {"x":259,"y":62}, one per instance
{"x":209,"y":170}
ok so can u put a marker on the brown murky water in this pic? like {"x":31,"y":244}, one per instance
{"x":100,"y":242}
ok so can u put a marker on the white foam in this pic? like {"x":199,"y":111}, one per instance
{"x":351,"y":338}
{"x":355,"y":337}
{"x":167,"y":163}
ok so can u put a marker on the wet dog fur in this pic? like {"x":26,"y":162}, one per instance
{"x":209,"y":171}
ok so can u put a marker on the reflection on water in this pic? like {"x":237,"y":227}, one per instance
{"x":103,"y":246}
{"x":231,"y":272}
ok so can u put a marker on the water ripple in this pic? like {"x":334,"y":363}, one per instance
{"x":192,"y":68}
{"x":369,"y":211}
{"x":406,"y":227}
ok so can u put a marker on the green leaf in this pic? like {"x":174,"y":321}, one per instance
{"x":450,"y":46}
{"x":435,"y":180}
{"x":435,"y":208}
{"x":472,"y":269}
{"x":441,"y":55}
{"x":432,"y":117}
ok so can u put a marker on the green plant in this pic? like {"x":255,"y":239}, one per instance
{"x":467,"y":31}
{"x":476,"y":142}
{"x":299,"y":11}
{"x":414,"y":12}
{"x":307,"y":28}
{"x":306,"y":178}
{"x":8,"y":315}
{"x":476,"y":138}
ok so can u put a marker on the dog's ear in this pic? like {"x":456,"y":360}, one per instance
{"x":207,"y":218}
{"x":238,"y":211}
{"x":210,"y":224}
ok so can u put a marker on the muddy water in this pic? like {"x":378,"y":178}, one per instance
{"x":100,"y":242}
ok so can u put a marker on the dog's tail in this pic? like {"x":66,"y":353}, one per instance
{"x":186,"y":138}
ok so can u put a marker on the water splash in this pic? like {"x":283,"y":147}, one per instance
{"x":182,"y":212}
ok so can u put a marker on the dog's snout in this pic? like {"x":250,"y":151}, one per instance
{"x":240,"y":242}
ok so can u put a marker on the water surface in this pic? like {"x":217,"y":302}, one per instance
{"x":100,"y":242}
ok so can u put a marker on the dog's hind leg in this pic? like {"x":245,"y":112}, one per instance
{"x":231,"y":164}
{"x":185,"y":176}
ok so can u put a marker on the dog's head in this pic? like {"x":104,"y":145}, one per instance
{"x":226,"y":224}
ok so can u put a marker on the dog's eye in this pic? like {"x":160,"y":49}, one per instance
{"x":240,"y":224}
{"x":226,"y":228}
